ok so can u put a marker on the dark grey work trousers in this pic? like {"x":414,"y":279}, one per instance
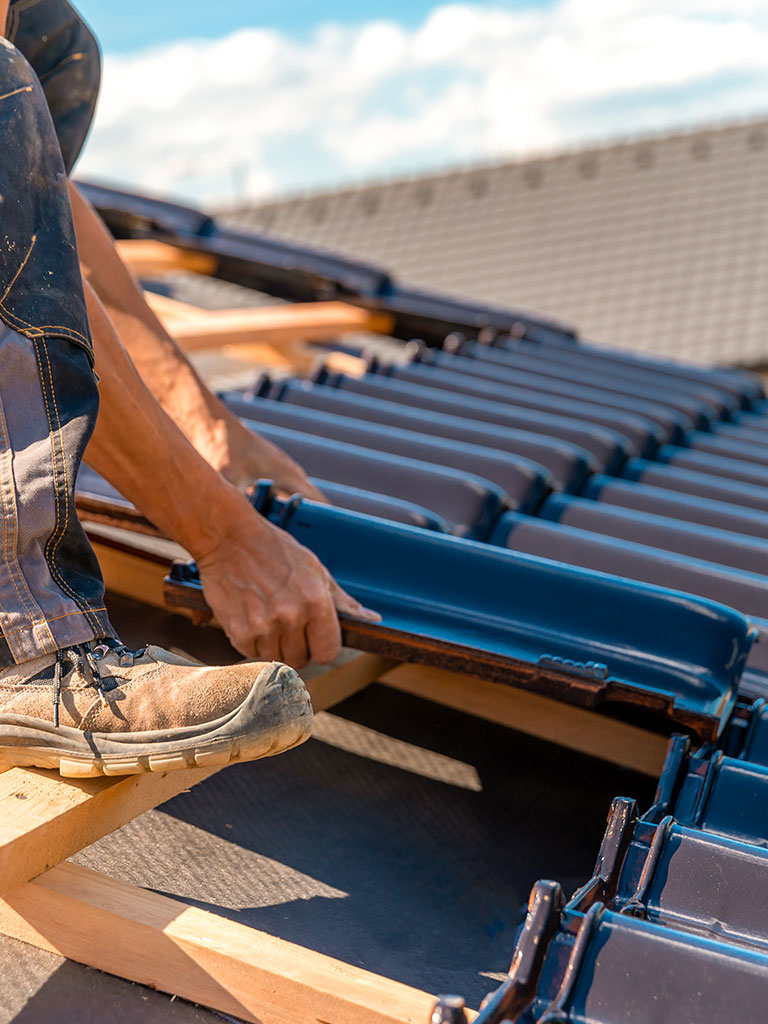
{"x":51,"y":590}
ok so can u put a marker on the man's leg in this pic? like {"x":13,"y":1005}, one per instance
{"x":65,"y":57}
{"x":91,"y":708}
{"x":51,"y":593}
{"x":65,"y":702}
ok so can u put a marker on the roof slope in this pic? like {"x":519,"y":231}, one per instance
{"x":659,"y":244}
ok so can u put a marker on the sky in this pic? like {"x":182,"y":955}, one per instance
{"x":240,"y":99}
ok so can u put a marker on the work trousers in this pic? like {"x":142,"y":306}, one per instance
{"x":51,"y":589}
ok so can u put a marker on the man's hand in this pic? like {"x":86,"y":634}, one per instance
{"x":270,"y":595}
{"x":243,"y":457}
{"x":273,"y":597}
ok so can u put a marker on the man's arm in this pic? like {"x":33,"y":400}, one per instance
{"x":272,"y":596}
{"x":240,"y":455}
{"x":3,"y":15}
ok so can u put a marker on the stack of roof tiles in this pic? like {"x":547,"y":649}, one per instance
{"x":671,"y":926}
{"x":650,"y":472}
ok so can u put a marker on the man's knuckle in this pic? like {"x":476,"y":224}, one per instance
{"x":288,"y":615}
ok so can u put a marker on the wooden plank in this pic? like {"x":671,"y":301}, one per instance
{"x":126,"y":574}
{"x":327,"y":315}
{"x":350,"y":673}
{"x":192,"y":953}
{"x":573,"y":727}
{"x":146,"y":256}
{"x":293,"y":356}
{"x":44,"y":818}
{"x":287,"y":353}
{"x":343,"y":362}
{"x":170,"y":309}
{"x":274,"y":325}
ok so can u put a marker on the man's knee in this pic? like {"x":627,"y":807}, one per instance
{"x":64,"y":55}
{"x":16,"y":73}
{"x":25,"y":120}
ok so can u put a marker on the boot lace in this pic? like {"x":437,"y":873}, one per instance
{"x":86,"y":658}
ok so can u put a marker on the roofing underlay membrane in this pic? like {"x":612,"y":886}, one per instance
{"x":556,"y":515}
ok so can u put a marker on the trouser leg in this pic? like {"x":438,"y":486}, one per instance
{"x":51,"y":591}
{"x":65,"y":57}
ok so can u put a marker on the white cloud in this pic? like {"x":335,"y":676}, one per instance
{"x":261,"y":112}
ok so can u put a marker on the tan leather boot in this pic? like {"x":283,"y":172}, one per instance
{"x":100,"y":709}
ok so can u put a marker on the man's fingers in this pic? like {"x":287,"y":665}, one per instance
{"x":268,"y":647}
{"x":293,"y":648}
{"x":344,"y":602}
{"x":286,"y":489}
{"x":314,"y":493}
{"x":324,"y":635}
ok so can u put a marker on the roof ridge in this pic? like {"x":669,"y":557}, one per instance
{"x":501,"y":162}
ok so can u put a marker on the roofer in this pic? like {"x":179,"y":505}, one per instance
{"x":71,"y":695}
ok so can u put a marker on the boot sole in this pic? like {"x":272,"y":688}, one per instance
{"x":274,"y":717}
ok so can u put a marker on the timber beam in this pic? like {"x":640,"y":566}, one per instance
{"x":621,"y":743}
{"x":167,"y":945}
{"x":197,"y":328}
{"x":147,"y":257}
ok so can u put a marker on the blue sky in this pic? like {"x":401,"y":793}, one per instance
{"x":267,"y":99}
{"x":123,"y":28}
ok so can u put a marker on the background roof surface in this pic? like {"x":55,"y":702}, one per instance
{"x":659,"y":245}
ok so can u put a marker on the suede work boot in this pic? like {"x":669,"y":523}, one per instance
{"x":101,"y":709}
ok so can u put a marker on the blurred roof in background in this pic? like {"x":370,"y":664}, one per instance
{"x":658,"y":245}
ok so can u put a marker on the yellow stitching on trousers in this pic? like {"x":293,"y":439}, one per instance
{"x":54,"y":618}
{"x":5,"y":549}
{"x":49,"y":327}
{"x":23,"y":264}
{"x":23,"y":88}
{"x":48,"y":550}
{"x":79,"y":599}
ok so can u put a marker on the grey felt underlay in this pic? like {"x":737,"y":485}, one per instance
{"x":40,"y":988}
{"x":405,"y":841}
